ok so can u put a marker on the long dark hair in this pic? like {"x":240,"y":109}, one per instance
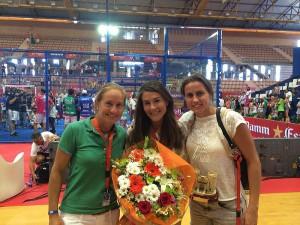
{"x":170,"y":133}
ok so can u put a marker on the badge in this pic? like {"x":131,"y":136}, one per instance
{"x":106,"y":199}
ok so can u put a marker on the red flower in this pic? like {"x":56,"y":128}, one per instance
{"x":165,"y":199}
{"x":137,"y":154}
{"x":152,"y":169}
{"x":144,"y":207}
{"x":136,"y":184}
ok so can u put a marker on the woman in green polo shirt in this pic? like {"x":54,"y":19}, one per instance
{"x":86,"y":147}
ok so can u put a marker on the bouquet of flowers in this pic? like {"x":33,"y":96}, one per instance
{"x":152,"y":184}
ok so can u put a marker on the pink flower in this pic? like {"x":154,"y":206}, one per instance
{"x":144,"y":207}
{"x":165,"y":199}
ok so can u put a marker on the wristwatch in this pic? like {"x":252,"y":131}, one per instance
{"x":52,"y":212}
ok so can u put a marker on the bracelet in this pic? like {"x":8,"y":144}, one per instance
{"x":52,"y":212}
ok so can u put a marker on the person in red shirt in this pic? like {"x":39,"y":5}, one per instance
{"x":40,"y":105}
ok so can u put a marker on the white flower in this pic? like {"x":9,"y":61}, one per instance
{"x":140,"y":197}
{"x":146,"y":190}
{"x":163,"y":170}
{"x":133,"y":168}
{"x":123,"y":191}
{"x":164,"y":182}
{"x":151,"y":192}
{"x":124,"y":182}
{"x":130,"y":196}
{"x":149,"y":153}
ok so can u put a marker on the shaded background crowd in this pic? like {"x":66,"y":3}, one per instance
{"x":282,"y":105}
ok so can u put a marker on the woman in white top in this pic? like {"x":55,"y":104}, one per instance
{"x":206,"y":148}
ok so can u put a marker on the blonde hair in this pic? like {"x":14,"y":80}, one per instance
{"x":105,"y":88}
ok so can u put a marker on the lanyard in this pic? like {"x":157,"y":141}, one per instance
{"x":108,"y":141}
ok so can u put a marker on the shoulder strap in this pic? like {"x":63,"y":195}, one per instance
{"x":237,"y":161}
{"x":221,"y":125}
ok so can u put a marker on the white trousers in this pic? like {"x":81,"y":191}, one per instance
{"x":108,"y":218}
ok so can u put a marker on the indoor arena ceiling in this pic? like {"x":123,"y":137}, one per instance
{"x":252,"y":14}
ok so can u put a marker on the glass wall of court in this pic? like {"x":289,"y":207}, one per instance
{"x":175,"y":54}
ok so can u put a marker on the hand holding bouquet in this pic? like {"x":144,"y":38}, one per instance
{"x":153,"y":184}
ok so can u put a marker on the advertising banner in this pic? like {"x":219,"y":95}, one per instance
{"x":263,"y":128}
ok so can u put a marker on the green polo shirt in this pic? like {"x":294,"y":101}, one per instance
{"x":69,"y":106}
{"x":280,"y":105}
{"x":84,"y":191}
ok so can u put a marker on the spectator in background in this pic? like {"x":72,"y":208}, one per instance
{"x":3,"y":68}
{"x":132,"y":105}
{"x":52,"y":115}
{"x":260,"y":108}
{"x":242,"y":100}
{"x":252,"y":108}
{"x":298,"y":111}
{"x":281,"y":107}
{"x":85,"y":105}
{"x":23,"y":110}
{"x":289,"y":95}
{"x":39,"y":150}
{"x":273,"y":108}
{"x":287,"y":106}
{"x":40,"y":105}
{"x":247,"y":101}
{"x":13,"y":105}
{"x":221,"y":101}
{"x":69,"y":107}
{"x":77,"y":96}
{"x":3,"y":99}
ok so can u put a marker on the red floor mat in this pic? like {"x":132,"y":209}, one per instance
{"x":36,"y":195}
{"x":280,"y":185}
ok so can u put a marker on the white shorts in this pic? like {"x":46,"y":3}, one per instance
{"x":107,"y":218}
{"x":13,"y":115}
{"x":40,"y":118}
{"x":70,"y":119}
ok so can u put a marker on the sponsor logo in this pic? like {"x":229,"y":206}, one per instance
{"x":290,"y":133}
{"x":258,"y":129}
